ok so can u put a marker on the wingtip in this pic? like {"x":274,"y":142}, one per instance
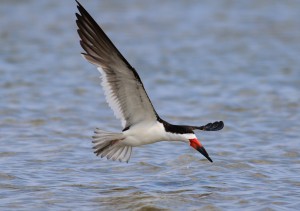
{"x":78,"y":16}
{"x":218,"y":125}
{"x":78,"y":5}
{"x":222,"y":124}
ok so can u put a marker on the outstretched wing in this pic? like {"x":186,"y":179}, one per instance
{"x":122,"y":85}
{"x":218,"y":125}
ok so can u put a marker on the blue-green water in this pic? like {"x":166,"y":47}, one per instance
{"x":236,"y":61}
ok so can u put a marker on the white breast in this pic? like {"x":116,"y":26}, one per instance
{"x":151,"y":132}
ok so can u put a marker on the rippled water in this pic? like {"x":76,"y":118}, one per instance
{"x":200,"y":61}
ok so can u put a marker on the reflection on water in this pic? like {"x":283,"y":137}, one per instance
{"x":200,"y":61}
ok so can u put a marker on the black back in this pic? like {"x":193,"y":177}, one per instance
{"x":179,"y":129}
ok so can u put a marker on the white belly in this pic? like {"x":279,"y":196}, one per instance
{"x":144,"y":134}
{"x":148,"y":133}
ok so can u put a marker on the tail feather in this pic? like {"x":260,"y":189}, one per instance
{"x":120,"y":154}
{"x":109,"y":144}
{"x":112,"y":152}
{"x":128,"y":153}
{"x":115,"y":154}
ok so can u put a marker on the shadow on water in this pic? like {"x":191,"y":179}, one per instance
{"x":132,"y":199}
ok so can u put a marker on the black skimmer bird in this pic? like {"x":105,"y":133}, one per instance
{"x":126,"y":95}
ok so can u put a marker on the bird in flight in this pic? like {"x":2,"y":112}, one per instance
{"x":127,"y":97}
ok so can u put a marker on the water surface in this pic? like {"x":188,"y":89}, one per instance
{"x":236,"y":61}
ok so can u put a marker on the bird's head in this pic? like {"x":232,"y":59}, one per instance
{"x":186,"y":134}
{"x":196,"y":144}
